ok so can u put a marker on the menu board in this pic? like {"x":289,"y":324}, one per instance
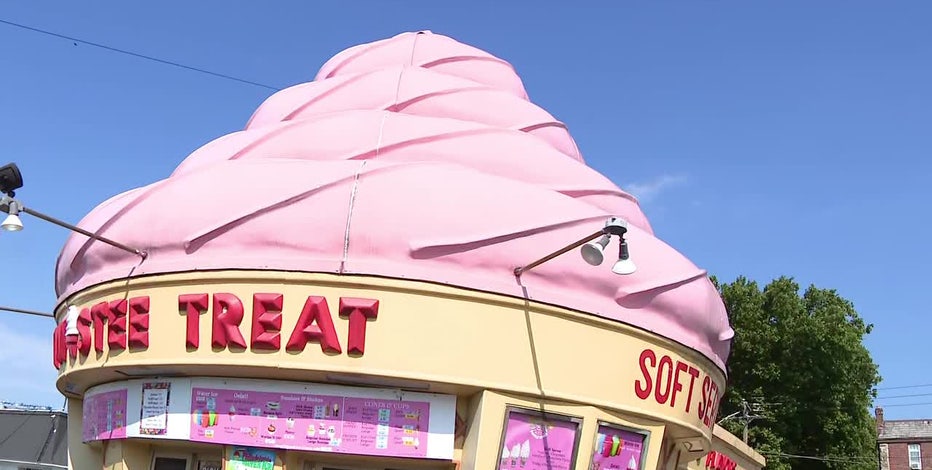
{"x":322,"y":423}
{"x":154,"y":410}
{"x":535,"y":442}
{"x":104,"y":416}
{"x":617,"y":449}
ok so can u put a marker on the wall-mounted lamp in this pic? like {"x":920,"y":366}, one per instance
{"x":10,"y":180}
{"x":71,"y":327}
{"x":593,"y":251}
{"x":12,"y":222}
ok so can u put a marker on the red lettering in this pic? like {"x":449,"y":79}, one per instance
{"x":359,"y":312}
{"x":713,"y":404}
{"x":228,"y":314}
{"x":124,"y":323}
{"x":139,"y":322}
{"x":643,"y":391}
{"x":84,"y":331}
{"x":192,"y":305}
{"x":63,"y":343}
{"x":101,"y":315}
{"x":677,"y":386}
{"x":702,"y":408}
{"x":58,"y":351}
{"x":266,"y":321}
{"x":693,"y":375}
{"x":662,"y":394}
{"x":719,"y":461}
{"x":314,"y":324}
{"x":116,"y":337}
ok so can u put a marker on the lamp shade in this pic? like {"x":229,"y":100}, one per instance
{"x":12,"y":223}
{"x":594,"y":251}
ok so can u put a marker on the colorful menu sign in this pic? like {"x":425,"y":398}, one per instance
{"x":322,"y":423}
{"x":248,"y":458}
{"x":617,"y":449}
{"x":535,"y":442}
{"x":153,"y":415}
{"x":104,"y":416}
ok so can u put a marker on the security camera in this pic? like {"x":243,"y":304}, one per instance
{"x":10,"y":179}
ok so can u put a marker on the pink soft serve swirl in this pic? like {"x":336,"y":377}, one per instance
{"x":415,"y":157}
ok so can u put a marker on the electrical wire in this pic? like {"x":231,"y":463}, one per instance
{"x":905,"y":396}
{"x":136,"y":54}
{"x":927,"y":403}
{"x":822,"y":459}
{"x":901,"y":387}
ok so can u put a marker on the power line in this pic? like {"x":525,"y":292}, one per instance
{"x":137,"y":55}
{"x":909,"y":404}
{"x":905,"y":396}
{"x":822,"y":459}
{"x":905,"y":386}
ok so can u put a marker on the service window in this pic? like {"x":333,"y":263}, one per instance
{"x":170,"y":463}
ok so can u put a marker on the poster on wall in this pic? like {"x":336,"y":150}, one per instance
{"x":250,"y":458}
{"x":534,"y":441}
{"x":617,"y":448}
{"x":153,"y":415}
{"x":322,"y":423}
{"x":104,"y":416}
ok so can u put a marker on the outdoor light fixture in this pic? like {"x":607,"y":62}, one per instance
{"x":10,"y":180}
{"x":71,"y":327}
{"x":624,"y":265}
{"x":12,"y":222}
{"x":593,"y":251}
{"x":71,"y":321}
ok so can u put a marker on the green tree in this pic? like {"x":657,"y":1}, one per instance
{"x":801,"y":364}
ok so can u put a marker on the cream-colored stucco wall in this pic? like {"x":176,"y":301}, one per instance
{"x":489,"y":350}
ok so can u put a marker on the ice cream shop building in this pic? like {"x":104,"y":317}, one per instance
{"x":335,"y":288}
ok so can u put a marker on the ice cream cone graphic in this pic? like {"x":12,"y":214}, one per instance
{"x":525,"y":452}
{"x":505,"y":455}
{"x":515,"y":453}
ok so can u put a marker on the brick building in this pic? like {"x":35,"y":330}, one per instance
{"x":904,"y":444}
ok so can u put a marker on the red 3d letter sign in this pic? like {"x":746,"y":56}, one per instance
{"x":718,"y":461}
{"x":120,"y":323}
{"x":124,"y":323}
{"x":677,"y":384}
{"x":314,"y":325}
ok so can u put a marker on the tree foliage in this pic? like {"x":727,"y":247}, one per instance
{"x":802,"y":361}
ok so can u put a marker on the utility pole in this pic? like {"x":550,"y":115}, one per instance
{"x":746,"y":415}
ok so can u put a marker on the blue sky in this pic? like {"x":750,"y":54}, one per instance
{"x":764,"y":138}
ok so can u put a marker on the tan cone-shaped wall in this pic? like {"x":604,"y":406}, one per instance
{"x":489,"y":351}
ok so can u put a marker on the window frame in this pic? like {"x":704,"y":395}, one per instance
{"x":910,"y":448}
{"x":172,"y":455}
